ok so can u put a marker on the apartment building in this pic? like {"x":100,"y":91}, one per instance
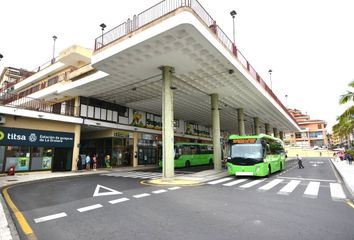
{"x":313,"y":132}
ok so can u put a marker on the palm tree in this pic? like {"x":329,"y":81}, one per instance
{"x":345,"y":125}
{"x":348,"y":96}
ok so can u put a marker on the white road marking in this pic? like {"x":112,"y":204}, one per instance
{"x":119,"y":200}
{"x":141,"y":195}
{"x":251,"y":184}
{"x":173,"y":188}
{"x":309,"y":179}
{"x":288,"y":188}
{"x":337,"y":192}
{"x":270,"y":185}
{"x":220,"y":180}
{"x":235,"y":182}
{"x":159,"y":191}
{"x":110,"y":191}
{"x":312,"y":189}
{"x":50,"y":217}
{"x":89,"y":208}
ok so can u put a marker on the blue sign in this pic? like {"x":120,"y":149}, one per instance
{"x":35,"y":138}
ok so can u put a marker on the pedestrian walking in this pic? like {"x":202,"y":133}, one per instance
{"x":79,"y":163}
{"x":88,"y":161}
{"x":299,"y":161}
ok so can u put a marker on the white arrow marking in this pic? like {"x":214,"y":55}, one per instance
{"x":110,"y":191}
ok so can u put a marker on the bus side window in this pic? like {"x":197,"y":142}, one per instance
{"x":193,"y":150}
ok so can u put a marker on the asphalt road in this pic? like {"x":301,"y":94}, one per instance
{"x":216,"y":210}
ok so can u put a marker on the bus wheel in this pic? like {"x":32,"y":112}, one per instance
{"x":211,"y":162}
{"x":269,"y":171}
{"x":188,"y":164}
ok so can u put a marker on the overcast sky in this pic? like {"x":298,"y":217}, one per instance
{"x":309,"y":44}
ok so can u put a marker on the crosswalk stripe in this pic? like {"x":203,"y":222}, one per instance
{"x":251,"y":184}
{"x":234,"y":182}
{"x":143,"y":175}
{"x":312,"y":189}
{"x":337,"y":192}
{"x":220,"y":181}
{"x":288,"y":188}
{"x":270,"y":185}
{"x":173,"y":188}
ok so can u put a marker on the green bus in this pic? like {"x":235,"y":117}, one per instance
{"x":189,"y":154}
{"x":259,"y":155}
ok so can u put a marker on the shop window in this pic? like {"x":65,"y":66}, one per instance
{"x":18,"y":156}
{"x":41,"y":158}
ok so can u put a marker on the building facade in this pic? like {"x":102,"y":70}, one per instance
{"x":111,"y":101}
{"x":313,"y":132}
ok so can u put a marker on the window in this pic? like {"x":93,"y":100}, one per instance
{"x":297,"y":135}
{"x":319,"y":126}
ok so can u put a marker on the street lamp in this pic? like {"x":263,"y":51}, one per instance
{"x":233,"y":14}
{"x":103,"y":26}
{"x":54,"y":38}
{"x":286,"y":100}
{"x":270,"y":78}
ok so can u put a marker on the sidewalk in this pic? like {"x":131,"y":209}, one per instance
{"x":347,"y":173}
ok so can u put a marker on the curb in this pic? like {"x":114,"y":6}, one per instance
{"x":347,"y":185}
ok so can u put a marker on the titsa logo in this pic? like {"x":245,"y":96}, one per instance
{"x":2,"y":135}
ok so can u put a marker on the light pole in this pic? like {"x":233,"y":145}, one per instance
{"x":233,"y":14}
{"x":286,"y":100}
{"x":54,"y":38}
{"x":103,"y":26}
{"x":270,"y":78}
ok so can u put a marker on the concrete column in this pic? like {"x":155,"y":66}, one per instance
{"x":76,"y":147}
{"x":77,"y":107}
{"x":281,"y":135}
{"x":167,"y":123}
{"x":216,"y":131}
{"x":266,"y":126}
{"x":241,"y":122}
{"x":256,"y":125}
{"x":135,"y":148}
{"x":275,"y":132}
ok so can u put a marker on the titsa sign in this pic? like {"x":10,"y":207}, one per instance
{"x":30,"y":137}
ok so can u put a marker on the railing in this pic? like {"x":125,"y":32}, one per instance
{"x":168,"y":6}
{"x":13,"y":100}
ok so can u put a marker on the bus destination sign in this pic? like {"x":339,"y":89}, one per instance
{"x":244,"y":141}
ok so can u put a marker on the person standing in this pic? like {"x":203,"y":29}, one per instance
{"x":88,"y":160}
{"x":349,"y":157}
{"x":94,"y":162}
{"x":299,"y":161}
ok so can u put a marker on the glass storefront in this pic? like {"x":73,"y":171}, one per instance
{"x":119,"y":149}
{"x":25,"y":158}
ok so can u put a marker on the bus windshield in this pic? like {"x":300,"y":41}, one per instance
{"x":254,"y":151}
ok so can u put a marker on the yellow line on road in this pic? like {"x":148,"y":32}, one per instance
{"x":350,"y":203}
{"x":19,"y":216}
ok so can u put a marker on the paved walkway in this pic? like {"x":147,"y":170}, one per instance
{"x":345,"y":170}
{"x":347,"y":173}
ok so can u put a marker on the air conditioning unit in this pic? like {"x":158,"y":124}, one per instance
{"x":2,"y":120}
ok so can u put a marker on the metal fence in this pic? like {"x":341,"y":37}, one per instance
{"x":41,"y":105}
